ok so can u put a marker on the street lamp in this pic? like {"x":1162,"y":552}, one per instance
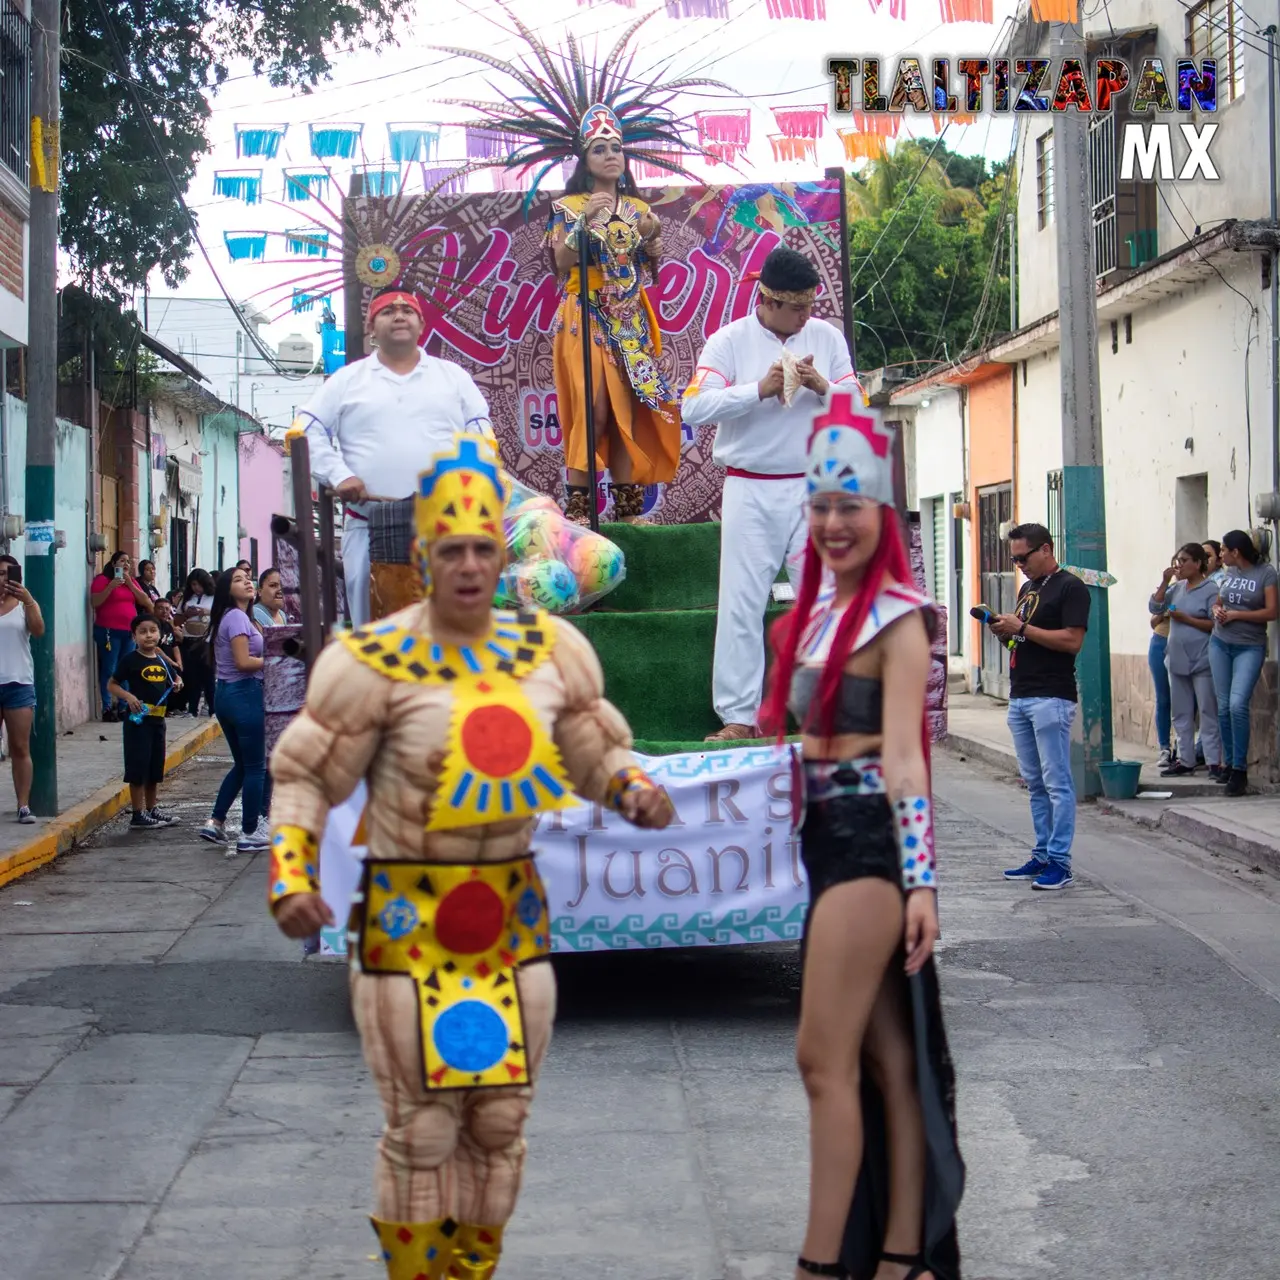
{"x":254,"y":387}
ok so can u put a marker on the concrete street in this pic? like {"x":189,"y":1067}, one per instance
{"x":182,"y":1096}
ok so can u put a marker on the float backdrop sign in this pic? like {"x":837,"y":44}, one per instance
{"x":505,"y":297}
{"x":728,"y":872}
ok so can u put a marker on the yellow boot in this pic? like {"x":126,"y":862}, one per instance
{"x":476,"y":1252}
{"x":417,"y":1250}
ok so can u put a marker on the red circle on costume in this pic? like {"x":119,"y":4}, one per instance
{"x":496,"y":741}
{"x":469,"y":919}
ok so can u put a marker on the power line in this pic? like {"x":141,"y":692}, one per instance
{"x":123,"y":64}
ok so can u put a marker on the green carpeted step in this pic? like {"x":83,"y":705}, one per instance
{"x":669,"y":566}
{"x":657,"y":669}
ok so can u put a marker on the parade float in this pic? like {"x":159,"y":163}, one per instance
{"x":728,"y":871}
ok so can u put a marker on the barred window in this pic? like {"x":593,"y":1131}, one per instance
{"x":15,"y":90}
{"x":1044,"y":178}
{"x":1212,"y":32}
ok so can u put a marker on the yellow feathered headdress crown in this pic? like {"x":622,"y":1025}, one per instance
{"x":463,"y":495}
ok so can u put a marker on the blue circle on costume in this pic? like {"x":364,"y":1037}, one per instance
{"x":529,"y":908}
{"x":470,"y":1037}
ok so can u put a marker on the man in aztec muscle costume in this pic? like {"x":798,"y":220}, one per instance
{"x":378,"y":422}
{"x":465,"y":722}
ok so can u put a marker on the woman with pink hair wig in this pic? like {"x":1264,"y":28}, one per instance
{"x":851,"y":666}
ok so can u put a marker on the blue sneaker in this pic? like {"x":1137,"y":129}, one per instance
{"x":1028,"y":871}
{"x":1054,"y":877}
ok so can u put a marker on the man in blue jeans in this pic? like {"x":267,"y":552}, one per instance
{"x":1048,"y":628}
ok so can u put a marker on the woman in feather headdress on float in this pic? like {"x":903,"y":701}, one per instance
{"x":596,"y":117}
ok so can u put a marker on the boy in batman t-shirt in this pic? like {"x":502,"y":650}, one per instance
{"x":144,"y":680}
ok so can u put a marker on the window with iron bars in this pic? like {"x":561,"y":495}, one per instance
{"x":1212,"y":32}
{"x":1057,"y":512}
{"x":15,"y":91}
{"x":1044,"y":178}
{"x":1102,"y":193}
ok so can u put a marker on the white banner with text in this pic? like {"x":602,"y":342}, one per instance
{"x":726,"y":872}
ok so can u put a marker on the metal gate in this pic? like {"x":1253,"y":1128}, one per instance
{"x":997,"y":582}
{"x":938,"y":515}
{"x":109,"y":514}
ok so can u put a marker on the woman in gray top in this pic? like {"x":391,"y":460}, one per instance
{"x":1188,"y":604}
{"x":1238,"y":646}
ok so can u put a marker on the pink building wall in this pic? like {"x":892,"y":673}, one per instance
{"x":261,"y":493}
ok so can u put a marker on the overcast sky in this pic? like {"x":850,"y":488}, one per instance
{"x":769,"y":62}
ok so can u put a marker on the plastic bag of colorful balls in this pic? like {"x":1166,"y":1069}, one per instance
{"x":552,"y":564}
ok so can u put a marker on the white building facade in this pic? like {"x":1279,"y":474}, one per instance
{"x":1183,"y":326}
{"x":207,"y":333}
{"x":936,"y":452}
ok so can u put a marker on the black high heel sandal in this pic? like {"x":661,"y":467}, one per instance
{"x":823,"y":1268}
{"x":913,"y":1260}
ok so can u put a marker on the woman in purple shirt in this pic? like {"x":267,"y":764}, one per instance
{"x":236,"y":643}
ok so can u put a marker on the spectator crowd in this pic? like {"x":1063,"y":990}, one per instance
{"x":201,"y":646}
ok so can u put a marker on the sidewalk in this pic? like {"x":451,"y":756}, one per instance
{"x":1192,"y":809}
{"x":90,"y":792}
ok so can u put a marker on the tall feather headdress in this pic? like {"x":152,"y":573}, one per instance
{"x":565,"y":103}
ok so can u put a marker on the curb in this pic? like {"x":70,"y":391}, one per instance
{"x":1184,"y":825}
{"x":972,"y":749}
{"x":1188,"y":827}
{"x":1006,"y":761}
{"x":65,"y":831}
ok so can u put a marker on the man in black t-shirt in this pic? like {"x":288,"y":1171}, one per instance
{"x":1048,"y":629}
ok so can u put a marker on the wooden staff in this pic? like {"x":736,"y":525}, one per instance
{"x":587,"y":384}
{"x":308,"y":574}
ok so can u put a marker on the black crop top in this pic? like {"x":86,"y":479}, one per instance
{"x":860,"y":709}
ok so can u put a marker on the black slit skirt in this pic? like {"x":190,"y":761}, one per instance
{"x":846,"y":838}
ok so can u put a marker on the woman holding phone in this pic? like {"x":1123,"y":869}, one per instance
{"x":20,"y":620}
{"x":116,"y":599}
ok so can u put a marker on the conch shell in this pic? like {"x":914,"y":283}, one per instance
{"x":790,"y":377}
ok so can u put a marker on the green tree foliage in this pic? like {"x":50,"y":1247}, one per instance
{"x":929,"y":256}
{"x":120,"y":219}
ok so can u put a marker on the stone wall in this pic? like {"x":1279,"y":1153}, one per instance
{"x":1133,"y":705}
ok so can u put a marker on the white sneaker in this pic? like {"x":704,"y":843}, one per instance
{"x":212,"y":832}
{"x":254,"y":841}
{"x":1163,"y":762}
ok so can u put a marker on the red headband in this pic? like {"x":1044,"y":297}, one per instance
{"x":390,"y":299}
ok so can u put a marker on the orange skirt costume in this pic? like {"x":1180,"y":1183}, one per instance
{"x":626,"y":348}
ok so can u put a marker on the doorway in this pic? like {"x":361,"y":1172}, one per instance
{"x":996,"y":581}
{"x":178,"y":564}
{"x":958,"y":614}
{"x":109,"y":513}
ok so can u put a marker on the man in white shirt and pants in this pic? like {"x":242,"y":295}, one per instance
{"x":762,"y":443}
{"x":378,"y":423}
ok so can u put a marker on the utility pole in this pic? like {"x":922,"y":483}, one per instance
{"x":42,"y":403}
{"x":1084,"y":522}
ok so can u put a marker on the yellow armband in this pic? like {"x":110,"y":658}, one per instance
{"x":632,"y":778}
{"x":295,"y":859}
